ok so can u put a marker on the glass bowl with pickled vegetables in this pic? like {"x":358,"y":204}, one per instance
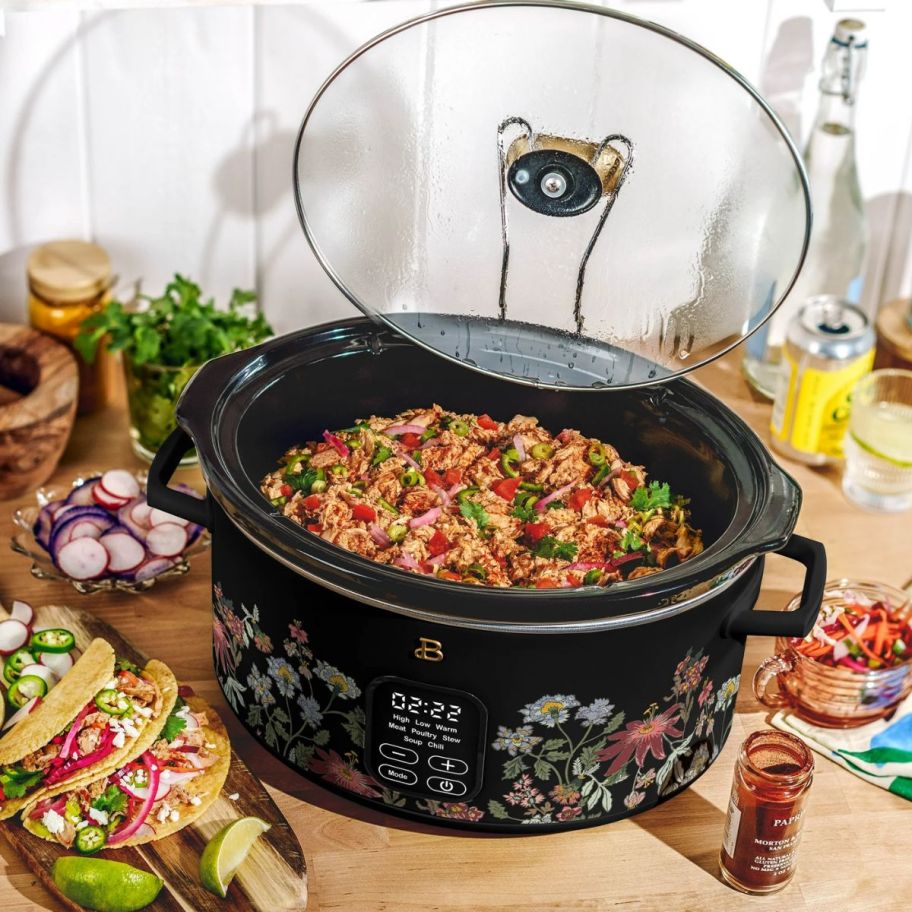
{"x":854,"y":666}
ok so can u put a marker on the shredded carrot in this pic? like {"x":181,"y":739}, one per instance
{"x":851,"y":630}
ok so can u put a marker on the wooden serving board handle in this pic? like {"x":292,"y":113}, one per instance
{"x":272,"y":879}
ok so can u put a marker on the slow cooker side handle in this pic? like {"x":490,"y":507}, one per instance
{"x":797,"y":623}
{"x":163,"y":466}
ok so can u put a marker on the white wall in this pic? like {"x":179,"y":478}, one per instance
{"x":166,"y":134}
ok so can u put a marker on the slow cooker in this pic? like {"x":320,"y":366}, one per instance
{"x":524,"y":238}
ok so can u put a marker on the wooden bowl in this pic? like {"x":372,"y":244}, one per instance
{"x":39,"y":386}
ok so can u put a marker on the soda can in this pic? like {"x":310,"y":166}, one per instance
{"x":829,"y":346}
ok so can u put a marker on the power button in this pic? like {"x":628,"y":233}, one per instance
{"x":446,"y":786}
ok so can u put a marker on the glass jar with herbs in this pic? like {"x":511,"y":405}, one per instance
{"x":164,"y":340}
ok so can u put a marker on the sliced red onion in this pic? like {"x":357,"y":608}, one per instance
{"x":402,"y":452}
{"x":620,"y":524}
{"x":634,"y":555}
{"x":394,"y":430}
{"x":425,"y":519}
{"x":518,"y":443}
{"x":437,"y":560}
{"x":840,"y":650}
{"x":336,"y":443}
{"x":125,"y":832}
{"x":862,"y":625}
{"x":542,"y":505}
{"x":379,"y":536}
{"x":430,"y":443}
{"x":591,"y":565}
{"x":455,"y":490}
{"x":68,"y":769}
{"x":71,"y":734}
{"x":854,"y":664}
{"x":612,"y":474}
{"x":444,"y":497}
{"x":406,"y":560}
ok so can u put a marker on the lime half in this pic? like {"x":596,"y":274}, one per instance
{"x":106,"y":886}
{"x":226,"y":851}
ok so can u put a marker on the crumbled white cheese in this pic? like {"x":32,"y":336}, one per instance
{"x":54,"y":822}
{"x":233,"y":796}
{"x":143,"y":711}
{"x":174,"y":816}
{"x":130,"y":729}
{"x":196,"y":800}
{"x":211,"y":745}
{"x":100,"y":817}
{"x":111,"y":685}
{"x":119,"y":739}
{"x":164,"y":812}
{"x":82,"y":824}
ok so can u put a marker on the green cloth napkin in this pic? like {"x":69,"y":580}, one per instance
{"x":879,"y":752}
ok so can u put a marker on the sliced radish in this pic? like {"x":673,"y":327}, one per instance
{"x":58,"y":662}
{"x":23,"y":611}
{"x":140,"y":513}
{"x":127,"y":520}
{"x":108,"y":500}
{"x":41,"y":671}
{"x":22,"y":713}
{"x":63,"y":508}
{"x":85,"y":528}
{"x":159,"y":517}
{"x":167,"y":540}
{"x":175,"y":778}
{"x":83,"y":559}
{"x":125,"y":551}
{"x":152,"y":568}
{"x":145,"y":832}
{"x":81,"y":496}
{"x":120,"y":484}
{"x":13,"y":635}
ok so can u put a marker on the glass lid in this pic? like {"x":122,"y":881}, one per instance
{"x":555,"y":193}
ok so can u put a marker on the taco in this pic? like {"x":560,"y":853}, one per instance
{"x":102,"y":714}
{"x":160,"y":792}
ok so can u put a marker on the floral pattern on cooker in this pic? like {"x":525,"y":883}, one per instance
{"x":564,"y":760}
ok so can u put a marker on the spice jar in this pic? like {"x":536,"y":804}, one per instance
{"x":68,"y":282}
{"x":766,"y":812}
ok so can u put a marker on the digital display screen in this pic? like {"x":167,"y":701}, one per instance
{"x":425,"y":741}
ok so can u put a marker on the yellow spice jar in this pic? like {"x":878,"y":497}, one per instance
{"x":68,"y":281}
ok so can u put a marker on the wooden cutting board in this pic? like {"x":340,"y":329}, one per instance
{"x":272,"y":879}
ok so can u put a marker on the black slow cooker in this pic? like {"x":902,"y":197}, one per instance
{"x":464,"y":705}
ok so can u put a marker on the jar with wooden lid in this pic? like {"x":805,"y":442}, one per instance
{"x":68,"y":282}
{"x":894,"y":335}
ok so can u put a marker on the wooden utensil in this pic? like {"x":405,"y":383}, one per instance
{"x":39,"y":385}
{"x":273,"y":878}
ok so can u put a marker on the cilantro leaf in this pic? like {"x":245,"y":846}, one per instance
{"x":177,"y":329}
{"x":652,"y":497}
{"x":112,"y":801}
{"x":174,"y":724}
{"x":471,"y":509}
{"x":126,"y":665}
{"x":630,"y":541}
{"x":16,"y":781}
{"x":549,"y":547}
{"x":525,"y":513}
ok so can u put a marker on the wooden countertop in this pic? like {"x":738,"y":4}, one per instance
{"x":854,"y":854}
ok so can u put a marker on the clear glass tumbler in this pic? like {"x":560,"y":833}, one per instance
{"x":878,"y":447}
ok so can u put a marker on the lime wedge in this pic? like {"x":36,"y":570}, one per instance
{"x":899,"y":463}
{"x":105,"y":886}
{"x":226,"y":851}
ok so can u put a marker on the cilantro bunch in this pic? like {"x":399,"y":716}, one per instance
{"x":177,"y":329}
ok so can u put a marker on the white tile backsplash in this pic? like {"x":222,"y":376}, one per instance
{"x":167,"y":134}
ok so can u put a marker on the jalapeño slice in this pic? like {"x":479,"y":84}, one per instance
{"x":90,"y":839}
{"x":54,"y":639}
{"x":25,"y":688}
{"x":113,"y":703}
{"x":13,"y":666}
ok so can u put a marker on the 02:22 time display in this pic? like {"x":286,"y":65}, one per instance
{"x":445,"y":712}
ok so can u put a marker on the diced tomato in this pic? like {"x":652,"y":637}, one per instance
{"x":410,"y":441}
{"x":506,"y":488}
{"x":630,"y":480}
{"x":487,"y":422}
{"x":448,"y":575}
{"x":578,"y":499}
{"x":546,"y":584}
{"x":452,"y":476}
{"x":316,"y":528}
{"x":597,"y":521}
{"x":536,"y":531}
{"x":438,"y":544}
{"x":433,"y":478}
{"x":573,"y":580}
{"x":286,"y":490}
{"x":312,"y":503}
{"x":494,"y":454}
{"x":364,"y":513}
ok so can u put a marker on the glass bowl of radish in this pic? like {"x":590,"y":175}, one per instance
{"x":854,"y":666}
{"x":101,"y":535}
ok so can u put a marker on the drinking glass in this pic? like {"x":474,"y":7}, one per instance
{"x":878,"y":446}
